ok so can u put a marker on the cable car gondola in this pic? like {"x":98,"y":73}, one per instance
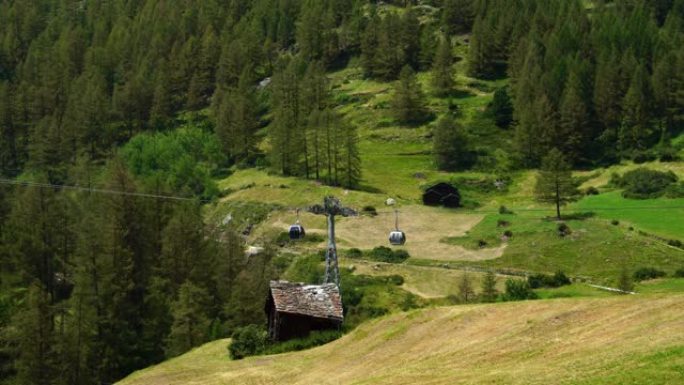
{"x":397,"y":237}
{"x":297,"y":230}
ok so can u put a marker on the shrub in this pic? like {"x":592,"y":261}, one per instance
{"x":315,"y":338}
{"x":502,"y":223}
{"x":643,"y":157}
{"x":504,"y":210}
{"x":644,"y":183}
{"x":614,"y":222}
{"x":675,"y":190}
{"x":370,"y":210}
{"x":481,"y":243}
{"x":679,"y":273}
{"x":518,"y":290}
{"x":676,"y":243}
{"x":564,"y":230}
{"x":648,"y":273}
{"x":385,"y":254}
{"x":395,"y":279}
{"x":591,"y":191}
{"x":247,"y":341}
{"x":353,"y":253}
{"x":508,"y":233}
{"x":559,"y":279}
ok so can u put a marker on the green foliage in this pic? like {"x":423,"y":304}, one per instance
{"x":184,"y":160}
{"x":624,"y":281}
{"x":646,"y":273}
{"x":559,"y":279}
{"x":385,"y":254}
{"x":190,"y":326}
{"x":247,"y":341}
{"x":451,"y":145}
{"x":489,"y":292}
{"x":554,"y":182}
{"x":315,"y":338}
{"x":501,"y":108}
{"x":679,"y":273}
{"x":442,"y":68}
{"x":644,"y":183}
{"x":408,"y":101}
{"x":518,"y":290}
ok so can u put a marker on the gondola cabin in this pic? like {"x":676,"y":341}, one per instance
{"x":296,"y":309}
{"x":297,"y":232}
{"x":397,"y":238}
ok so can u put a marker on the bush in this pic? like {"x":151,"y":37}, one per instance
{"x":518,"y":290}
{"x":508,"y":233}
{"x":591,"y":191}
{"x":644,"y":183}
{"x":676,"y":243}
{"x":315,"y":338}
{"x":679,"y":273}
{"x":675,"y":190}
{"x":482,"y":243}
{"x":353,"y":253}
{"x":564,"y":230}
{"x":502,"y":223}
{"x":643,"y":157}
{"x":385,"y":254}
{"x":559,"y":279}
{"x":614,"y":222}
{"x":504,"y":210}
{"x":646,"y":273}
{"x":395,"y":279}
{"x":370,"y":210}
{"x":247,"y":341}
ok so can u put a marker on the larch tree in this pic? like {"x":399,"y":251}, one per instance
{"x":408,"y":101}
{"x":442,"y":68}
{"x":554,"y":181}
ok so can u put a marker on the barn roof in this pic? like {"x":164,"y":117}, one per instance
{"x":319,"y":301}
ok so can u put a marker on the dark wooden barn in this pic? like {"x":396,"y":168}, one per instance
{"x":442,"y":194}
{"x":296,"y":309}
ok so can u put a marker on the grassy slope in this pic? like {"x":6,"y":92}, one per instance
{"x":617,"y":340}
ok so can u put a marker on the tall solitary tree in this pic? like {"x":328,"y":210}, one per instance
{"x":554,"y":182}
{"x":465,"y":288}
{"x":450,"y":145}
{"x":489,"y":292}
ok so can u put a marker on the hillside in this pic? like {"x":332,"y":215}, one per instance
{"x":625,"y":340}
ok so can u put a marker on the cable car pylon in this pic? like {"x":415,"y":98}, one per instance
{"x":331,"y":207}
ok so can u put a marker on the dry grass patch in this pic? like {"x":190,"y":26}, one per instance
{"x":537,"y":342}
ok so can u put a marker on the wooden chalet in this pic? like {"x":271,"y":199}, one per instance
{"x":295,"y":309}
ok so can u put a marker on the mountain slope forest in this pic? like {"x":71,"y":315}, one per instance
{"x":144,"y":144}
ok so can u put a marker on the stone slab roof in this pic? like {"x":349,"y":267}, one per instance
{"x":319,"y":301}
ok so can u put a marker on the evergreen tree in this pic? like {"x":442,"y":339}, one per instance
{"x":465,"y":288}
{"x":408,"y":104}
{"x":574,"y":120}
{"x":501,"y":108}
{"x":236,"y":119}
{"x":457,"y":16}
{"x":554,"y":182}
{"x":489,"y":292}
{"x":442,"y":68}
{"x":636,"y":129}
{"x":190,"y":323}
{"x":451,"y":145}
{"x":36,"y":336}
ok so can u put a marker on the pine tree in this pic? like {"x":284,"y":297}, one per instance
{"x":624,"y":281}
{"x":465,"y":288}
{"x":451,"y":145}
{"x":501,"y":108}
{"x":190,"y":323}
{"x":408,"y":104}
{"x":457,"y":16}
{"x":636,"y":129}
{"x":235,"y":114}
{"x":554,"y":182}
{"x":442,"y":68}
{"x":36,"y":337}
{"x":574,"y":120}
{"x":489,"y":292}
